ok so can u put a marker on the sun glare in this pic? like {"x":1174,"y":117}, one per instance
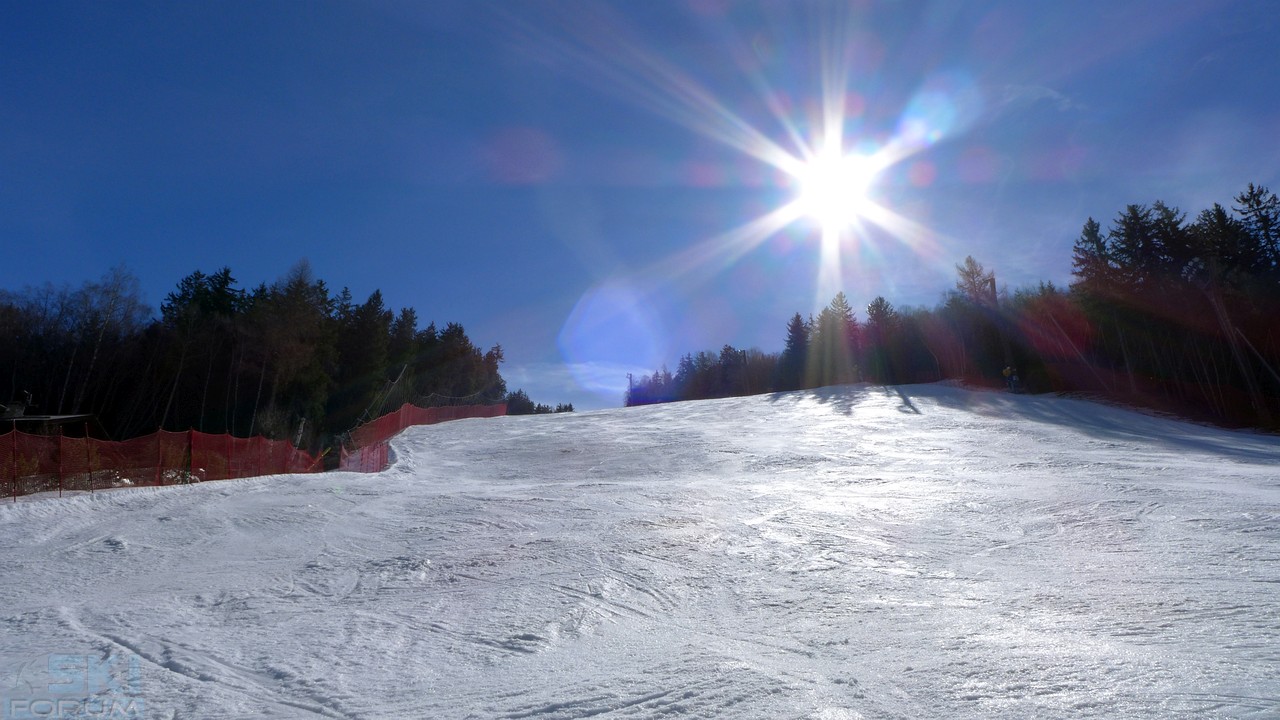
{"x":829,"y":157}
{"x":833,"y":189}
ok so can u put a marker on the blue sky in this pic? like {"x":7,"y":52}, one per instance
{"x":583,"y":182}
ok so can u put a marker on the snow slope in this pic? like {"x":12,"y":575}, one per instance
{"x":856,"y":552}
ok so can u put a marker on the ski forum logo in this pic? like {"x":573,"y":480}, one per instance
{"x":76,"y":686}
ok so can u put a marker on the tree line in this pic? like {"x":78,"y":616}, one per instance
{"x":287,"y":360}
{"x":1162,"y":311}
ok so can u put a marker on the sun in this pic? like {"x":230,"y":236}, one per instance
{"x":833,"y":165}
{"x":833,"y":188}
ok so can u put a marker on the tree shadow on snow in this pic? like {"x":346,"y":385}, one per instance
{"x":1116,"y":424}
{"x":907,"y":406}
{"x":840,"y":398}
{"x":844,"y":398}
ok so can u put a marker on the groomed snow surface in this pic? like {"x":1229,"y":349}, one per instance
{"x":858,"y":552}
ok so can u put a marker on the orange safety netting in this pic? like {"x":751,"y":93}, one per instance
{"x":371,"y":451}
{"x":43,"y":463}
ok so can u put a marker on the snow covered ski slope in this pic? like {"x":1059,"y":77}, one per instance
{"x":857,"y":552}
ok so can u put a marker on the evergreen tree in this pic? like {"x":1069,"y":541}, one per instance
{"x":201,"y":317}
{"x":290,"y":323}
{"x":832,"y":344}
{"x":881,"y":335}
{"x":363,"y":336}
{"x":1091,"y":261}
{"x":1259,"y":209}
{"x":795,"y":356}
{"x":518,"y":403}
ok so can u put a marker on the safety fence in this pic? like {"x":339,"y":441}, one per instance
{"x":47,"y":463}
{"x":369,"y":450}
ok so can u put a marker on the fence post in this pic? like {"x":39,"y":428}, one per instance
{"x":159,"y":457}
{"x":88,"y":456}
{"x":15,"y":460}
{"x":61,"y":441}
{"x":191,"y":454}
{"x":230,"y":447}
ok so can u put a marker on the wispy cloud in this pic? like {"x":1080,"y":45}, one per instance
{"x":1027,"y":95}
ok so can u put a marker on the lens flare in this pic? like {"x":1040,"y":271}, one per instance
{"x":824,"y":146}
{"x":612,"y":325}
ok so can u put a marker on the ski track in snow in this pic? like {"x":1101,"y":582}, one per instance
{"x":854,"y":552}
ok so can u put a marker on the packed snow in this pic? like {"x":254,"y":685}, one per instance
{"x":857,"y":552}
